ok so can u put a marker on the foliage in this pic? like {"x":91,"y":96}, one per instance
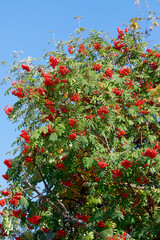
{"x":86,"y":164}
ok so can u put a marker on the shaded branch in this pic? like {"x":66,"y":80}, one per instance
{"x":65,"y":215}
{"x":47,"y":188}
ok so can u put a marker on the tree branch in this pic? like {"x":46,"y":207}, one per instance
{"x":65,"y":215}
{"x":47,"y":188}
{"x":106,"y":141}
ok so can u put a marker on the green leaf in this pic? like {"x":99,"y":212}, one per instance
{"x":117,"y":214}
{"x":88,"y":236}
{"x":88,"y":162}
{"x":53,"y":137}
{"x":107,"y":232}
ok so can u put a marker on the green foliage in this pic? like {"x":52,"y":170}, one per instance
{"x":86,"y":164}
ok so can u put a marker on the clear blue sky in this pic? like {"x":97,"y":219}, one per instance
{"x":26,"y":26}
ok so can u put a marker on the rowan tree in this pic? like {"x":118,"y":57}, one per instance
{"x":90,"y":136}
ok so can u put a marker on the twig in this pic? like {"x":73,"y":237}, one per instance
{"x":79,"y":27}
{"x":141,"y":138}
{"x":66,"y":215}
{"x":46,"y":235}
{"x":145,"y":18}
{"x":53,"y":38}
{"x":106,"y":141}
{"x":47,"y":188}
{"x":7,"y":72}
{"x":78,"y":17}
{"x":42,"y":196}
{"x":18,"y":60}
{"x":26,"y":189}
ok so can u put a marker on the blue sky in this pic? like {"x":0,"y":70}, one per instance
{"x":26,"y":26}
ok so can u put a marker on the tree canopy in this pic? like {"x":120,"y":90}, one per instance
{"x":86,"y":163}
